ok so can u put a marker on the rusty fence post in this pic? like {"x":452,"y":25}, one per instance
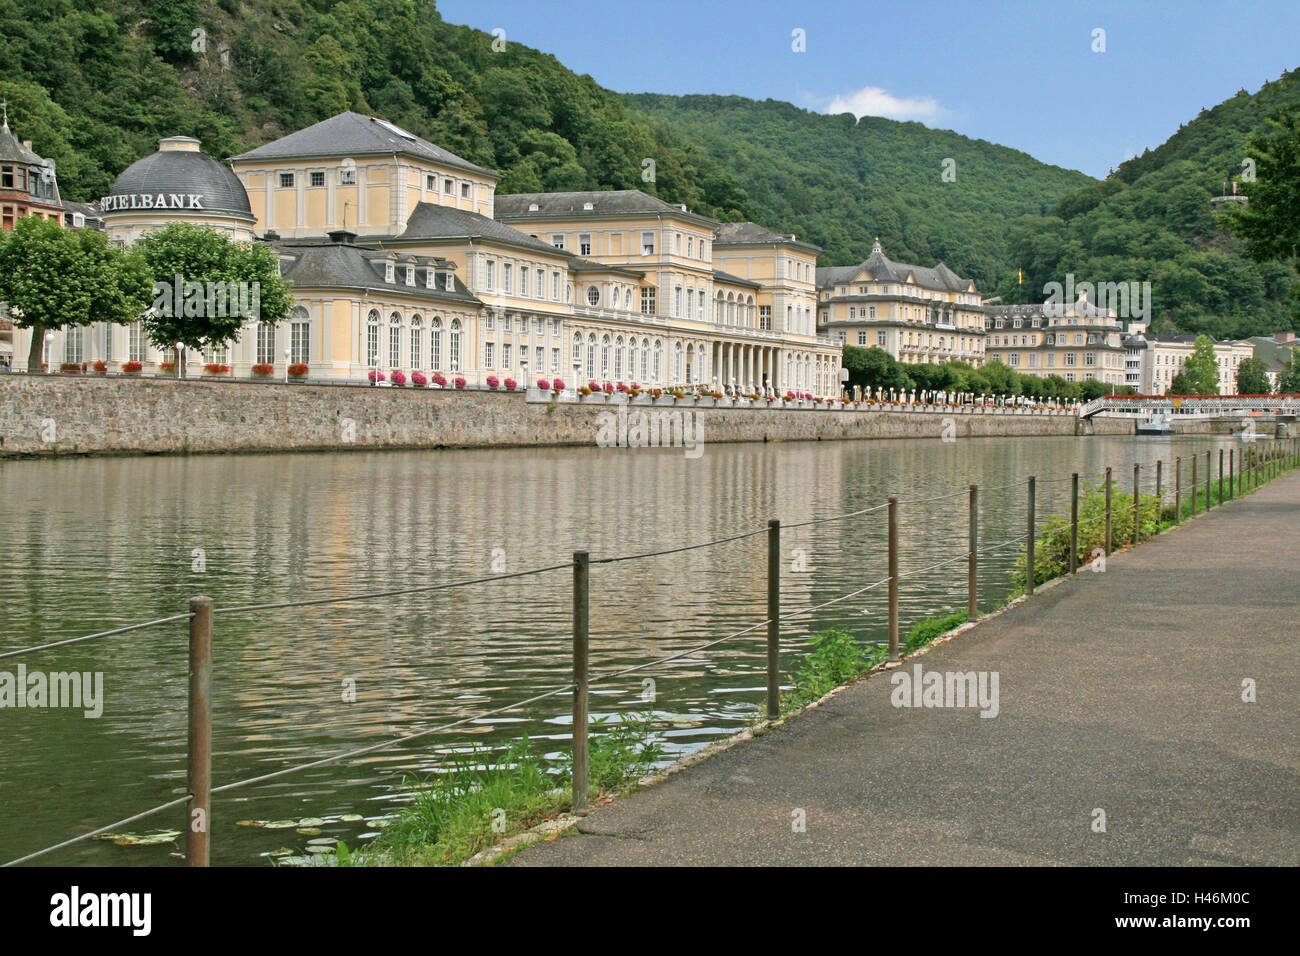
{"x":1108,"y":511}
{"x":1178,"y":490}
{"x":1220,"y":476}
{"x":773,"y":619}
{"x":1137,"y":496}
{"x":972,"y":562}
{"x":581,"y":608}
{"x":1029,"y":540}
{"x":1074,"y":522}
{"x":1194,"y":485}
{"x":1207,"y":481}
{"x":198,"y":823}
{"x":893,"y":577}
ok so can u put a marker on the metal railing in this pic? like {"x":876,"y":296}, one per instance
{"x":1254,"y":467}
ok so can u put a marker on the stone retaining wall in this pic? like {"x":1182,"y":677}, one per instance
{"x":41,"y":415}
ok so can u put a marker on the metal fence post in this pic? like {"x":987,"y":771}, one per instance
{"x":1160,"y":488}
{"x":1137,"y":514}
{"x":773,"y":619}
{"x":972,"y":562}
{"x":1194,"y":485}
{"x":581,"y":596}
{"x":1029,"y":541}
{"x":893,"y":577}
{"x":1232,"y":473}
{"x":1074,"y":522}
{"x":1108,"y":512}
{"x":1207,"y":481}
{"x":199,"y":757}
{"x":1178,"y":490}
{"x":1220,"y":476}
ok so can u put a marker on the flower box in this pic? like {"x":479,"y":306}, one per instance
{"x":511,"y":385}
{"x":265,"y":369}
{"x":298,"y":370}
{"x":100,"y":367}
{"x":493,"y":382}
{"x":132,"y":368}
{"x":398,"y":377}
{"x":214,"y":368}
{"x":419,"y":379}
{"x":439,"y":380}
{"x":373,"y":375}
{"x":460,"y":382}
{"x":705,"y":401}
{"x":594,"y":398}
{"x":71,"y":368}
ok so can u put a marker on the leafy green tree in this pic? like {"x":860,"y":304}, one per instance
{"x":52,"y":277}
{"x":1288,"y":380}
{"x":1200,"y":373}
{"x":873,"y":368}
{"x":190,"y":253}
{"x":1270,"y":223}
{"x":1252,"y":377}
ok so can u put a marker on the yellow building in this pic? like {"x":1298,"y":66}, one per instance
{"x":1079,"y":342}
{"x":358,"y":173}
{"x":916,"y":314}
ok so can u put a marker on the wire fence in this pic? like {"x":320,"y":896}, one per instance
{"x":1253,"y":467}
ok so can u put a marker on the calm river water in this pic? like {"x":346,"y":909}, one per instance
{"x":95,"y":543}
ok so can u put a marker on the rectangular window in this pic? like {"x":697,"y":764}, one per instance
{"x":880,"y":339}
{"x":489,"y":275}
{"x":862,"y":337}
{"x":523,"y":281}
{"x":677,"y":301}
{"x":1013,"y":358}
{"x":348,"y":176}
{"x":557,"y":240}
{"x":765,"y":317}
{"x":1069,"y":358}
{"x":464,"y":190}
{"x":647,"y":243}
{"x":1051,"y":359}
{"x":555,"y":360}
{"x":299,"y":342}
{"x":648,"y":300}
{"x":507,"y":276}
{"x":541,"y":284}
{"x":555,"y":286}
{"x":488,"y":357}
{"x":690,"y":247}
{"x":1089,"y":358}
{"x":853,"y":312}
{"x":266,"y":343}
{"x":505,"y":323}
{"x":1033,"y":359}
{"x":431,"y":183}
{"x":489,"y":321}
{"x":448,"y":186}
{"x":286,"y":180}
{"x":871,"y":311}
{"x":584,"y":244}
{"x":317,"y":177}
{"x":505,"y":355}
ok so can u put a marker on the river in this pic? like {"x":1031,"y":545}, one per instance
{"x":94,"y":543}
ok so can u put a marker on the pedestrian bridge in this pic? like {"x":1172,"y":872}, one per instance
{"x":1196,"y":406}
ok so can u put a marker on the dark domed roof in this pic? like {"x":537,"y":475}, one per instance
{"x":179,"y":169}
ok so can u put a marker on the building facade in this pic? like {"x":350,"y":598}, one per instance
{"x":1154,"y":360}
{"x":1078,"y":342}
{"x":916,"y":314}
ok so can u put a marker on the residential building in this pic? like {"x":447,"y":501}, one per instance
{"x":1079,"y":342}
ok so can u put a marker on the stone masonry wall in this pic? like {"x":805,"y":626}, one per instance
{"x":57,"y":414}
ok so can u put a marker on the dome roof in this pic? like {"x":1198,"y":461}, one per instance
{"x":185,"y":178}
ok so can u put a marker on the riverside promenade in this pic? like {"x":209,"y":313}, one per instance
{"x":1119,"y":691}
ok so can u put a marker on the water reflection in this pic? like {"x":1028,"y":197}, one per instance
{"x":98,"y":542}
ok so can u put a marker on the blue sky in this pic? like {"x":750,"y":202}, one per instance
{"x":1016,"y":72}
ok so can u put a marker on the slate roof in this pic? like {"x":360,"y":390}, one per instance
{"x":579,"y":264}
{"x":352,"y":134}
{"x":881,"y":268}
{"x":751,"y":233}
{"x":12,"y":150}
{"x":734,"y":280}
{"x":335,"y":265}
{"x":186,"y":171}
{"x":604,"y":202}
{"x":431,"y":221}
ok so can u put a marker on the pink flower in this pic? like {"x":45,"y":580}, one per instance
{"x":439,"y":380}
{"x":544,"y":385}
{"x":493,"y":381}
{"x":375,"y":376}
{"x":557,"y":385}
{"x":460,"y":382}
{"x":399,"y":377}
{"x":418,"y":378}
{"x":511,"y":384}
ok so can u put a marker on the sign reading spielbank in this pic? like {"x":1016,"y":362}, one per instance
{"x":152,"y":201}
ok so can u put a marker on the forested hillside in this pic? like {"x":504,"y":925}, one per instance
{"x":839,"y":182}
{"x":1152,"y":220}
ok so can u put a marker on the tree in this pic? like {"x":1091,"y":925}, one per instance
{"x":1200,"y":373}
{"x":1252,"y":377}
{"x":1270,"y":223}
{"x":1288,"y":380}
{"x":223,"y":284}
{"x":873,"y":368}
{"x":52,"y":277}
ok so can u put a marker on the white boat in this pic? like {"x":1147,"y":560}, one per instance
{"x":1157,"y":424}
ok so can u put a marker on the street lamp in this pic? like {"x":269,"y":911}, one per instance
{"x":179,"y":363}
{"x":49,"y":352}
{"x":523,"y":373}
{"x":287,"y":353}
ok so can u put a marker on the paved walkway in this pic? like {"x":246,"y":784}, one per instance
{"x":1118,"y":690}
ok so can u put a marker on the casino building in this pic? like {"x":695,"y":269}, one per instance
{"x":402,"y":256}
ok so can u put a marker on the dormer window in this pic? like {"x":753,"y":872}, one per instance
{"x":429,"y":278}
{"x":410,"y":275}
{"x":388,"y":272}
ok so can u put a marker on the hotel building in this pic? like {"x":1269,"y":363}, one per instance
{"x":402,"y":256}
{"x":1154,"y":360}
{"x":916,"y":314}
{"x":1079,"y":342}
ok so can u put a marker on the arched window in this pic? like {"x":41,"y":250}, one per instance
{"x":395,"y":340}
{"x":454,"y":346}
{"x":731,"y":308}
{"x":435,"y":344}
{"x":749,"y":312}
{"x":678,"y":370}
{"x":618,"y":358}
{"x":604,"y":358}
{"x":577,"y":348}
{"x":372,"y":339}
{"x":659,"y":360}
{"x":591,"y":355}
{"x":717,"y":308}
{"x":690,"y":363}
{"x":300,"y":336}
{"x":417,"y":342}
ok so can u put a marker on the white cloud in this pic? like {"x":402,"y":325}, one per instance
{"x":874,"y":101}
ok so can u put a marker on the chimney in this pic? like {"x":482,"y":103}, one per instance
{"x":342,"y":236}
{"x":27,"y":145}
{"x":1283,"y":336}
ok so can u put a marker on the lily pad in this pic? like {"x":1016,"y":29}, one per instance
{"x":250,"y":823}
{"x":281,"y":824}
{"x":309,"y":831}
{"x":351,"y":818}
{"x":311,"y":821}
{"x":150,"y":839}
{"x":319,"y":849}
{"x":322,"y":841}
